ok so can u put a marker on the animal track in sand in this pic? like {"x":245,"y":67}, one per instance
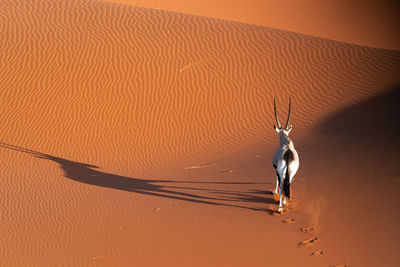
{"x":195,"y":167}
{"x":288,"y":220}
{"x":308,"y":242}
{"x":317,"y":253}
{"x":307,"y":229}
{"x":277,"y":213}
{"x":98,"y":256}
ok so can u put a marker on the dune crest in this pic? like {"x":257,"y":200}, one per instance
{"x":372,"y":23}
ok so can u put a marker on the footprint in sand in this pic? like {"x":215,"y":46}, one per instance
{"x":277,"y":213}
{"x":98,"y":257}
{"x":307,"y":229}
{"x":288,"y":220}
{"x":308,"y":242}
{"x":317,"y":253}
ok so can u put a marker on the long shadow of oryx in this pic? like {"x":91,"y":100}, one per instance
{"x":90,"y":174}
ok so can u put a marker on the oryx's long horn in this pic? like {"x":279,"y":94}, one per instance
{"x":288,"y":116}
{"x":276,"y":116}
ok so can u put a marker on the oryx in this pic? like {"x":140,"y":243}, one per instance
{"x":285,"y":160}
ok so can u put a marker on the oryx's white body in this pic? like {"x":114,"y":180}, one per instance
{"x":285,"y":160}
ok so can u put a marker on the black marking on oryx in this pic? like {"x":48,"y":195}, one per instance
{"x":288,"y":156}
{"x":286,"y":185}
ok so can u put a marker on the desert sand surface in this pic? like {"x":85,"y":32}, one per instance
{"x":140,"y":137}
{"x":370,"y":23}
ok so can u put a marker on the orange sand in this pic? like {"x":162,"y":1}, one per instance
{"x":134,"y":136}
{"x":370,"y":23}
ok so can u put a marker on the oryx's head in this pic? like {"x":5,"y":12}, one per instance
{"x":283,"y":132}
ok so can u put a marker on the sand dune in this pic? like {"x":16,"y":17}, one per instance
{"x":372,"y":23}
{"x":129,"y":132}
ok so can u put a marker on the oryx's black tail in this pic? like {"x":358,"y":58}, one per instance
{"x":288,"y":157}
{"x":286,"y":186}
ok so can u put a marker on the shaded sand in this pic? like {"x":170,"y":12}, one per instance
{"x":137,"y":136}
{"x":371,"y":23}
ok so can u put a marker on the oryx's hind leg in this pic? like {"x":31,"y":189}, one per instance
{"x":286,"y":186}
{"x":293,"y":167}
{"x":277,"y":180}
{"x":280,"y":209}
{"x":277,"y":184}
{"x":281,"y":171}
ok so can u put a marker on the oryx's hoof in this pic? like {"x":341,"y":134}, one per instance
{"x":280,"y":211}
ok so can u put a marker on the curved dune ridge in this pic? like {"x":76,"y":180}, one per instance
{"x":372,"y":24}
{"x":138,"y":92}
